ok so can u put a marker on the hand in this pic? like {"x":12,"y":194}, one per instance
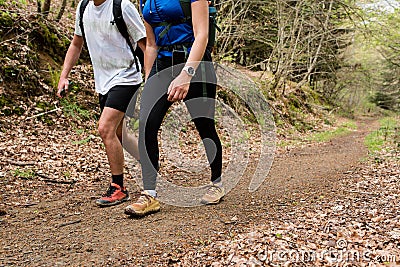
{"x":179,"y":87}
{"x":62,"y":87}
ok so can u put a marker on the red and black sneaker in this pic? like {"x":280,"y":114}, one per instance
{"x":115,"y":195}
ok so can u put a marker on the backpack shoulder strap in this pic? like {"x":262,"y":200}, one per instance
{"x":118,"y":19}
{"x":122,"y":28}
{"x":186,"y":6}
{"x":81,"y":11}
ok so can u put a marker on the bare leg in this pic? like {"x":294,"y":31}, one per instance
{"x":130,"y":142}
{"x":109,"y":122}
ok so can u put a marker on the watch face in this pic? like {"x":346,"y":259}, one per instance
{"x":191,"y":70}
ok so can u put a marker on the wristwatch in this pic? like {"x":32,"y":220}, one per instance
{"x":189,"y":70}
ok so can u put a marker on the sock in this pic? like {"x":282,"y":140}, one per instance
{"x":118,"y":179}
{"x":218,"y":182}
{"x":152,"y":193}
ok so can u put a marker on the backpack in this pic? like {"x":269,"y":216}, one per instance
{"x":122,"y":28}
{"x":187,"y":11}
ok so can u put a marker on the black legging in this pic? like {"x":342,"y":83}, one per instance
{"x":200,"y":102}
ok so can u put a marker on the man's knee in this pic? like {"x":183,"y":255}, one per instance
{"x":105,"y":131}
{"x":109,"y":122}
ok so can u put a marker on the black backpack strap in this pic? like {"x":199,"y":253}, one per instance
{"x":186,"y":6}
{"x":81,"y":11}
{"x":122,"y":28}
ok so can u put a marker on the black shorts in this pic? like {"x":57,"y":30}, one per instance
{"x":118,"y":97}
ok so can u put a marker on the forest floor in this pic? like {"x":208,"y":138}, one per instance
{"x":323,"y":202}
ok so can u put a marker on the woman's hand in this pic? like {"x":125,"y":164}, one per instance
{"x":179,"y":87}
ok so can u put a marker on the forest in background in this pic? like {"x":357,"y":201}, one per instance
{"x":309,"y":57}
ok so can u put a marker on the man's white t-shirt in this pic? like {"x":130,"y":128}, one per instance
{"x":112,"y":59}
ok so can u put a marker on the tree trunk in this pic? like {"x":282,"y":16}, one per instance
{"x":46,"y":7}
{"x":62,"y":9}
{"x":39,"y":6}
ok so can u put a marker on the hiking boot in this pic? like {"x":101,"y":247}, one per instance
{"x":145,"y":205}
{"x":213,"y":195}
{"x":114,"y":195}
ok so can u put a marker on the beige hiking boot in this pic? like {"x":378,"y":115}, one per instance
{"x":144,"y":205}
{"x":213,"y":195}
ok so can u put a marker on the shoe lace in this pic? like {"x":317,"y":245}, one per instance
{"x":110,"y":191}
{"x":143,"y":199}
{"x":214,"y":189}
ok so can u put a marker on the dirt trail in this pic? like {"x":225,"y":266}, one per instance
{"x":71,"y":231}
